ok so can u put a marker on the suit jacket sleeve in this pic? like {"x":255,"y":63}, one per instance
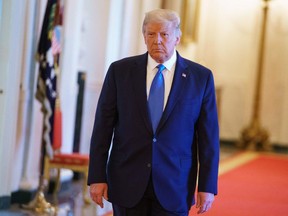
{"x":208,"y":140}
{"x":105,"y":118}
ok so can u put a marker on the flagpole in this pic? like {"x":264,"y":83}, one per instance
{"x":255,"y":136}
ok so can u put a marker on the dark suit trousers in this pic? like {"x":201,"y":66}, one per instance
{"x":148,"y":206}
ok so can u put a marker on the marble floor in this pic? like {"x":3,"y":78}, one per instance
{"x":69,"y":202}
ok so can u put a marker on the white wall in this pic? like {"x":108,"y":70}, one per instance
{"x":93,"y":59}
{"x":30,"y":131}
{"x":275,"y":91}
{"x":228,"y":44}
{"x":11,"y":46}
{"x":69,"y":61}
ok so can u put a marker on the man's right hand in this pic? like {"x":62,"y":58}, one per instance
{"x":97,"y":191}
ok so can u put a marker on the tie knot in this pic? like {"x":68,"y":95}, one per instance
{"x":160,"y":67}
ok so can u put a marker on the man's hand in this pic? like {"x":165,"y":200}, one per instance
{"x":97,"y":191}
{"x":204,"y":201}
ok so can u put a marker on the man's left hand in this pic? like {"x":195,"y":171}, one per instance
{"x":204,"y":201}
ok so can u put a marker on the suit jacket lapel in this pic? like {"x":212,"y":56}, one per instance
{"x":139,"y":85}
{"x":179,"y":82}
{"x":138,"y":72}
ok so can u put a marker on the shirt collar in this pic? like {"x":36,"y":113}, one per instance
{"x":168,"y":64}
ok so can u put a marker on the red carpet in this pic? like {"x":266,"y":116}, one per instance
{"x":257,"y":188}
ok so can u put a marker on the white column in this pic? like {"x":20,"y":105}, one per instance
{"x":30,"y":131}
{"x":100,"y":45}
{"x":70,"y":56}
{"x":11,"y":43}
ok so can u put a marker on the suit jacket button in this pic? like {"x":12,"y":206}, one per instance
{"x":149,"y":165}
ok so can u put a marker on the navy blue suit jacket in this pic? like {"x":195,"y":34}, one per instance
{"x":187,"y":134}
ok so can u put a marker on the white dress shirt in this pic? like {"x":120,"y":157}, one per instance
{"x":168,"y":74}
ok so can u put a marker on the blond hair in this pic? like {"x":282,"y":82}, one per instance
{"x":163,"y":16}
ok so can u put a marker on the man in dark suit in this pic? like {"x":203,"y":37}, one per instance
{"x":154,"y":165}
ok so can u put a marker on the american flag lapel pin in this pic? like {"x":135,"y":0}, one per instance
{"x":184,"y":75}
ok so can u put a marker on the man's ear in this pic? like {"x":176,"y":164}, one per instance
{"x":177,"y":41}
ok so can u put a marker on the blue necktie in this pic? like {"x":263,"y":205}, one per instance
{"x":156,"y":97}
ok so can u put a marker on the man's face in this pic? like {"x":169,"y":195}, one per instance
{"x":160,"y":40}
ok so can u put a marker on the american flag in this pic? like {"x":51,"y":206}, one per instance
{"x":56,"y":43}
{"x":48,"y":65}
{"x":56,"y":34}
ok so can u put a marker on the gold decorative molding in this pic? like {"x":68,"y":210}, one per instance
{"x":190,"y":13}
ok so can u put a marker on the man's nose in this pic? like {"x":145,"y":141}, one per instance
{"x":158,"y":39}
